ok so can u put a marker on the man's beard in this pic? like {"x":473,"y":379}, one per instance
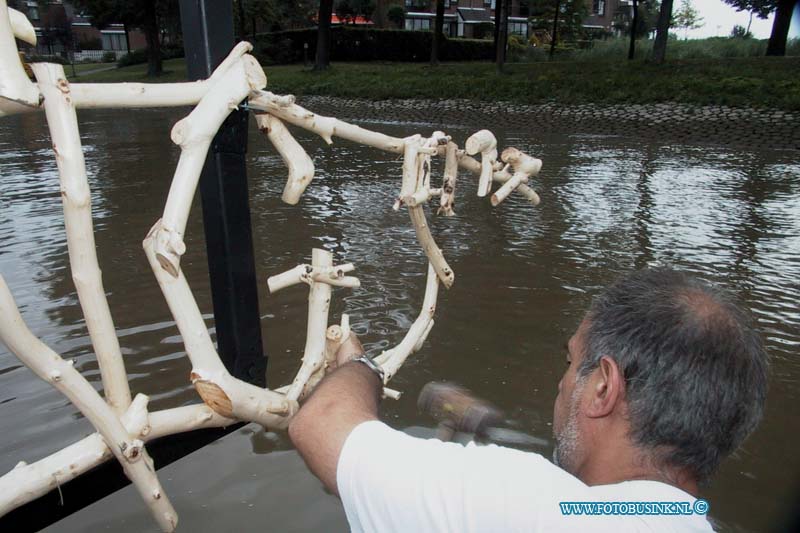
{"x":568,"y":439}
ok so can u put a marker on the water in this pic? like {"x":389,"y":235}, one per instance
{"x":524,"y":275}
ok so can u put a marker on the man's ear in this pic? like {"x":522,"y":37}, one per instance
{"x":607,"y":388}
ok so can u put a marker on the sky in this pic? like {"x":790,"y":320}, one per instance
{"x":719,"y":19}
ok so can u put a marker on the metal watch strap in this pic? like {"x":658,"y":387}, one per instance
{"x":371,"y":365}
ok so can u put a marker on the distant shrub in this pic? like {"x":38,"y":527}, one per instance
{"x":367,"y":44}
{"x":109,"y":57}
{"x":133,"y":58}
{"x":47,"y":59}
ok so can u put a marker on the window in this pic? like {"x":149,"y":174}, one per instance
{"x":33,"y":10}
{"x":598,"y":7}
{"x":520,"y":28}
{"x":418,"y":24}
{"x":113,"y":41}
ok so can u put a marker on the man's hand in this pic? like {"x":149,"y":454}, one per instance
{"x":349,"y":350}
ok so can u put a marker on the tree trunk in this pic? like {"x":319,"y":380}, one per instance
{"x":127,"y":39}
{"x":554,"y":37}
{"x":662,"y":32}
{"x":324,"y":35}
{"x":240,"y":14}
{"x":502,"y":36}
{"x":150,"y":27}
{"x":780,"y":28}
{"x":437,"y":32}
{"x":634,"y":23}
{"x":498,"y":15}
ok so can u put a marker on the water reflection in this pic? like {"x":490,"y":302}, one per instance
{"x":523,"y":275}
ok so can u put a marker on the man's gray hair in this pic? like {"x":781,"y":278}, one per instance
{"x":695,"y":368}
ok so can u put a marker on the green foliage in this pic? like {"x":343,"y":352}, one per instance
{"x":761,"y":8}
{"x":132,"y":58}
{"x":570,"y":17}
{"x":483,"y":30}
{"x":46,"y":59}
{"x":397,"y":15}
{"x":109,"y":57}
{"x":367,"y":44}
{"x":687,"y":17}
{"x":740,"y":32}
{"x":90,"y":44}
{"x":646,"y":20}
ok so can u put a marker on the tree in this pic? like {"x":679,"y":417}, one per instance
{"x":143,"y":14}
{"x":780,"y":26}
{"x":56,"y":28}
{"x":662,"y":32}
{"x":438,"y":25}
{"x":396,"y":15}
{"x":687,"y":18}
{"x":345,"y":11}
{"x":364,"y":9}
{"x":634,"y":24}
{"x":740,"y":32}
{"x":563,"y":18}
{"x":324,"y":35}
{"x":502,"y":36}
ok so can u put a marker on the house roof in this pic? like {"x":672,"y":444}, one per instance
{"x":474,"y":14}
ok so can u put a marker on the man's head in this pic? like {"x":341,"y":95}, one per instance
{"x":670,"y":366}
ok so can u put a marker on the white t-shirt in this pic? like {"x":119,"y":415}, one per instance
{"x":390,"y":481}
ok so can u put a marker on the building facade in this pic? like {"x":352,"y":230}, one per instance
{"x":465,"y":18}
{"x":471,"y":18}
{"x":61,"y":28}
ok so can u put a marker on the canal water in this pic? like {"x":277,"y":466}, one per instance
{"x":524,"y":275}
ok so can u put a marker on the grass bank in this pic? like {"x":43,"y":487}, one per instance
{"x":758,"y":81}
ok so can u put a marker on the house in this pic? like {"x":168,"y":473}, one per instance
{"x":465,"y":18}
{"x":471,"y":18}
{"x":61,"y":28}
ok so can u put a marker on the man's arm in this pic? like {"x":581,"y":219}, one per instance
{"x":347,"y":397}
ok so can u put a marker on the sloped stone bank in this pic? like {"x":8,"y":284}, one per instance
{"x":680,"y":123}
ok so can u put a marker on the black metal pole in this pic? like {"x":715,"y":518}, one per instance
{"x":207,"y":39}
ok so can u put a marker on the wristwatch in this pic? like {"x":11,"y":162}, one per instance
{"x":371,"y":365}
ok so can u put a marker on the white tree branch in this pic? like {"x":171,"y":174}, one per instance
{"x":194,"y":134}
{"x":76,"y":199}
{"x":60,"y":374}
{"x":301,"y":168}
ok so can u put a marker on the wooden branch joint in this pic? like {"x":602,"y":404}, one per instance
{"x":484,"y":142}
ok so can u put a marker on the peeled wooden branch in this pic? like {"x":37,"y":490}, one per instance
{"x":228,"y":396}
{"x":319,"y":299}
{"x":26,"y":482}
{"x":194,"y":134}
{"x":301,"y":168}
{"x":391,"y":360}
{"x":21,"y":26}
{"x":500,"y":175}
{"x":17,"y":92}
{"x":333,"y":275}
{"x":448,"y":198}
{"x":508,"y":187}
{"x":414,"y":183}
{"x":484,"y":142}
{"x":325,"y":127}
{"x":61,"y":375}
{"x":76,"y":199}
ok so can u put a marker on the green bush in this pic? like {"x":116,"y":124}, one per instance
{"x":367,"y":44}
{"x":133,"y":58}
{"x":138,"y":57}
{"x":108,"y":57}
{"x":47,"y":59}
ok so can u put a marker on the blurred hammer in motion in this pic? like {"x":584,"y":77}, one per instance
{"x":458,"y":410}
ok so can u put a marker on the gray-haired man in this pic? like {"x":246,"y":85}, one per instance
{"x":665,"y":378}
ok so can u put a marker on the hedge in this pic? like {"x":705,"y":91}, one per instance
{"x":367,"y":44}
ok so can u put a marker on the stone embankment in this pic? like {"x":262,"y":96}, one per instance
{"x":666,"y":122}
